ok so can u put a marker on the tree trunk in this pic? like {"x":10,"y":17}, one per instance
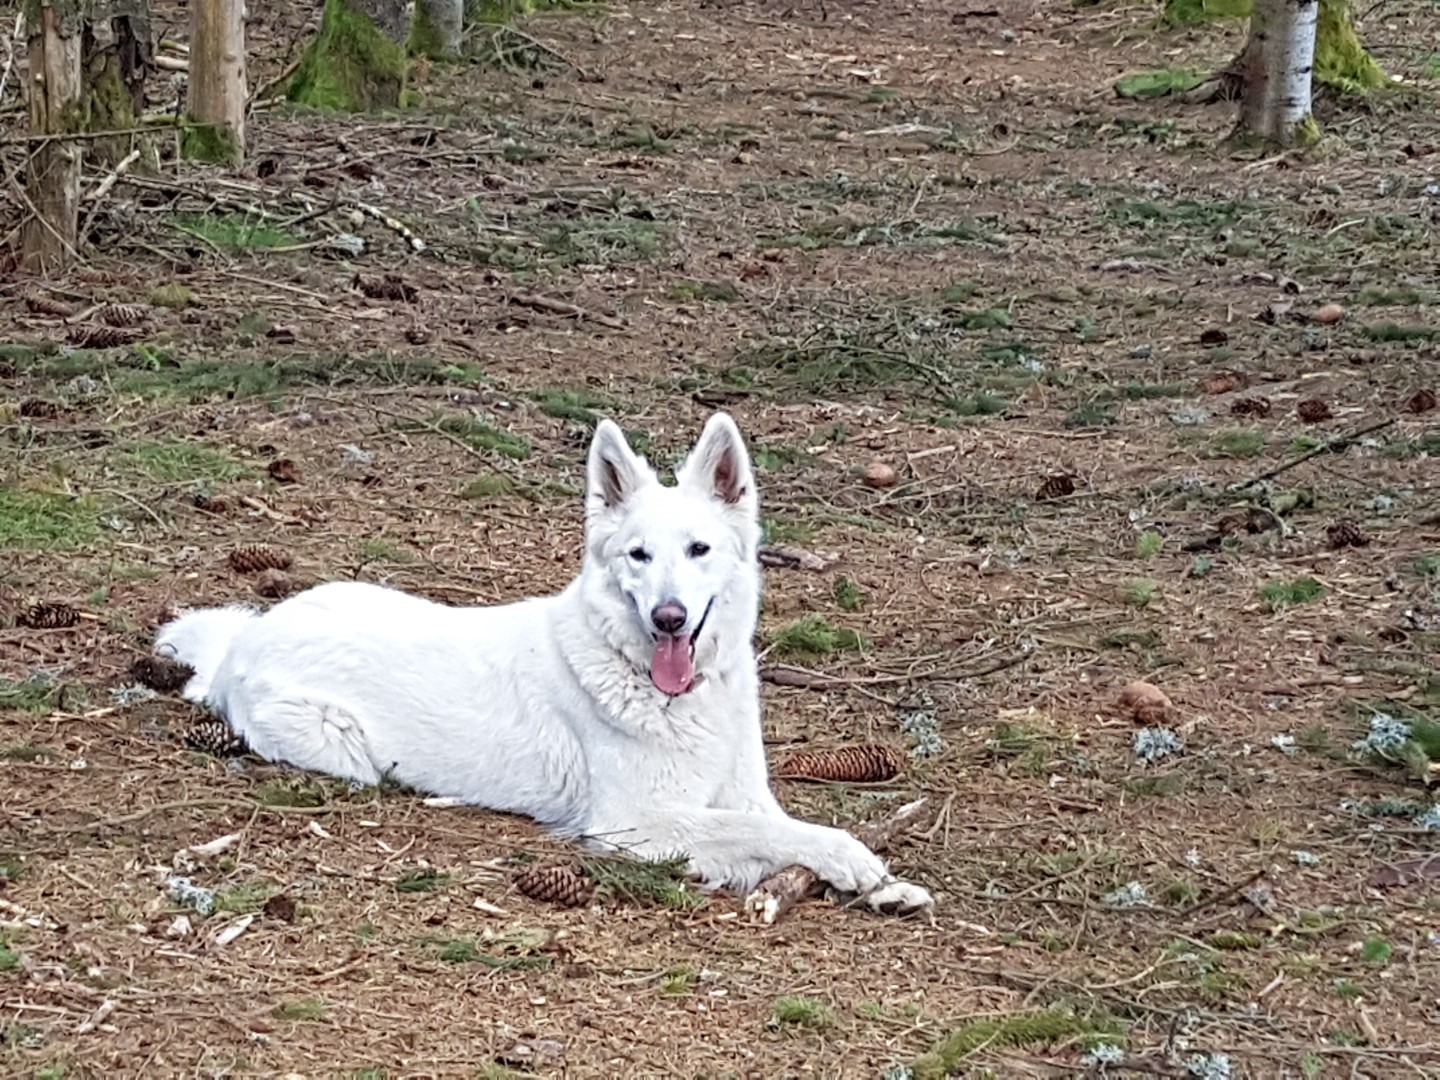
{"x":357,"y":60}
{"x":1277,"y":67}
{"x":437,"y":29}
{"x":117,"y":55}
{"x":56,"y":95}
{"x":1340,"y":60}
{"x":215,"y":97}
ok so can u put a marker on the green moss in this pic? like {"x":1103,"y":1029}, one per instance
{"x":208,"y":142}
{"x":169,"y":296}
{"x":108,"y":104}
{"x":1197,"y":12}
{"x":1006,"y":1032}
{"x":425,"y":37}
{"x":813,"y":637}
{"x":1157,"y":83}
{"x":46,"y":520}
{"x":1307,"y":132}
{"x":1340,"y":60}
{"x":351,"y":65}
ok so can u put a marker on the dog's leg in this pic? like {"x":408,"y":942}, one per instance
{"x":311,"y":734}
{"x":734,"y":849}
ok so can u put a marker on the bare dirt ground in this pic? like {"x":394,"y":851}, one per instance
{"x":928,"y":235}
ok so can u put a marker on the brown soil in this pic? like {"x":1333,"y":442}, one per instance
{"x":930,"y":236}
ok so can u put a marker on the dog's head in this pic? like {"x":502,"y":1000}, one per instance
{"x":677,"y":564}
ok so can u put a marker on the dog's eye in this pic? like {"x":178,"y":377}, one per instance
{"x":697,"y":550}
{"x":639,"y":554}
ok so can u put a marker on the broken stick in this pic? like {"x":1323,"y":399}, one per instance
{"x":780,"y":892}
{"x":564,"y":307}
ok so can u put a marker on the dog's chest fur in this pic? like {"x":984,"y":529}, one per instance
{"x":646,"y":742}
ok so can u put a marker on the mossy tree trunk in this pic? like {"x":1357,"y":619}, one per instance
{"x":56,"y":99}
{"x":357,"y":60}
{"x":216,"y":91}
{"x":1341,"y":61}
{"x":117,"y":54}
{"x":437,"y":29}
{"x":1276,"y":69}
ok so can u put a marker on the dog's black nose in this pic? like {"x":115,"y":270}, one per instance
{"x":669,"y":617}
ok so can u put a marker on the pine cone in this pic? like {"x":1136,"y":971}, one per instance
{"x":1251,"y":406}
{"x":274,"y":584}
{"x":161,"y":674}
{"x":49,"y":617}
{"x":390,"y":287}
{"x":1253,"y":521}
{"x":210,"y":504}
{"x":123,"y":314}
{"x":555,"y":885}
{"x":47,"y":305}
{"x":1421,"y":401}
{"x":252,"y":558}
{"x":847,"y":764}
{"x":1343,"y":534}
{"x":101,"y":337}
{"x":39,"y":409}
{"x":1313,"y":410}
{"x":1056,"y":487}
{"x":1223,"y":382}
{"x":284,"y":471}
{"x":211,"y":735}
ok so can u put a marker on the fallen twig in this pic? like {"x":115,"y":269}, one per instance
{"x":780,"y":892}
{"x":407,"y":234}
{"x":563,"y":307}
{"x":274,"y":84}
{"x":785,"y":558}
{"x":1334,"y":445}
{"x":193,"y":804}
{"x":1220,"y":897}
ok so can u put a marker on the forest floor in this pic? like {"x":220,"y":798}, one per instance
{"x":1080,"y":332}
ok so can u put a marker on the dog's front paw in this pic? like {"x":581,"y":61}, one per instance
{"x":899,"y":898}
{"x":845,"y":863}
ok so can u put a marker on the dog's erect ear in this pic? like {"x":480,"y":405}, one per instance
{"x":719,"y":465}
{"x":614,"y":472}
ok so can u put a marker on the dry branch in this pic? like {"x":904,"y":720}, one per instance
{"x":780,"y":892}
{"x":563,"y":307}
{"x":1333,"y":446}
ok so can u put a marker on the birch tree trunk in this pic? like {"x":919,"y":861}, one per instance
{"x":216,"y":93}
{"x":437,"y":29}
{"x":357,"y":60}
{"x":56,"y":93}
{"x":1277,"y":67}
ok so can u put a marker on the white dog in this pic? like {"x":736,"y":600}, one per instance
{"x":624,"y":711}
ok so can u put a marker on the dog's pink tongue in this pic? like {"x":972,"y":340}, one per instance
{"x":671,"y":670}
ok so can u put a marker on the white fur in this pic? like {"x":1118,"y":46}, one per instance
{"x":546,"y":707}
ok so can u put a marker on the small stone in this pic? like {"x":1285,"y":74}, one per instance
{"x":1328,"y":314}
{"x":1145,"y":703}
{"x":880,"y":475}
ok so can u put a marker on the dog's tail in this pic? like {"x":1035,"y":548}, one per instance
{"x":200,"y":640}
